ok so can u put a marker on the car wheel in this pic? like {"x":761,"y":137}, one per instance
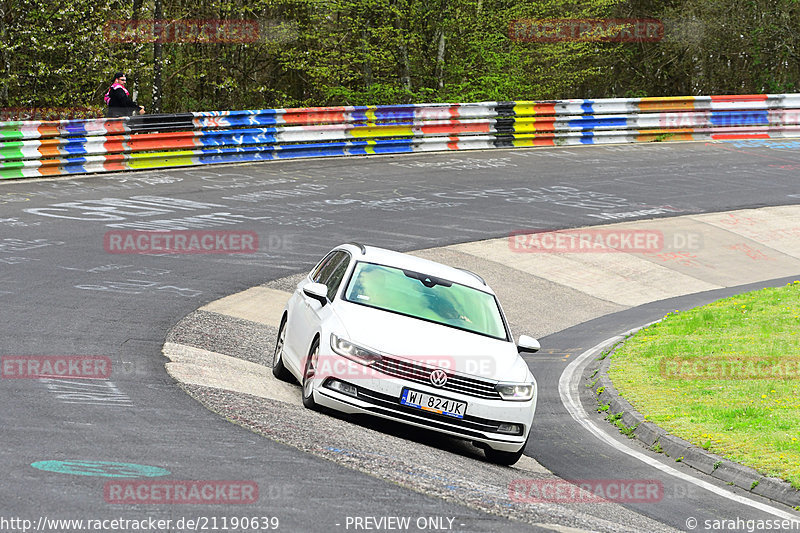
{"x":308,"y":375}
{"x":278,"y":368}
{"x":504,"y":458}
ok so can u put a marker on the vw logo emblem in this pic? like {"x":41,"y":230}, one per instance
{"x":438,"y":378}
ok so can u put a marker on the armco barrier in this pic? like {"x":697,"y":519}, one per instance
{"x":32,"y":149}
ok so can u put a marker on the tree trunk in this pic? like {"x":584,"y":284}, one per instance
{"x":156,"y":106}
{"x":367,"y":61}
{"x":3,"y":57}
{"x":440,"y":62}
{"x":405,"y":70}
{"x":133,"y":76}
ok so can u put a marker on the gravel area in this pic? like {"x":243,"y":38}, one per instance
{"x":227,"y":335}
{"x":288,"y":284}
{"x":421,"y":461}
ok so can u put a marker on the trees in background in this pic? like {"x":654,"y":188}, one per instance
{"x":356,"y":52}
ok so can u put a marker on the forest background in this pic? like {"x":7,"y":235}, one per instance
{"x":62,"y":54}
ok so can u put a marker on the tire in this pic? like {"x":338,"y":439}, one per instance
{"x":308,"y":375}
{"x":504,"y":458}
{"x":278,"y":369}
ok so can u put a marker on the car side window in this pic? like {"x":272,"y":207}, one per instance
{"x":331,"y":271}
{"x":317,"y":274}
{"x":337,"y":275}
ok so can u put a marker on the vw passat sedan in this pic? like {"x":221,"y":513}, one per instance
{"x":372,"y":331}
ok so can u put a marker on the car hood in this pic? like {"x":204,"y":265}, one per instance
{"x":431,"y":344}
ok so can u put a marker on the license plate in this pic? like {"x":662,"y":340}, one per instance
{"x":434,"y":404}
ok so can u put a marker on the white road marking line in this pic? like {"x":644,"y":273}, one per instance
{"x":568,"y":385}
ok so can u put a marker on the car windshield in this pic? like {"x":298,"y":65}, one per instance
{"x":425,"y":297}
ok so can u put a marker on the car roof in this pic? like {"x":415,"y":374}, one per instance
{"x":382,"y":256}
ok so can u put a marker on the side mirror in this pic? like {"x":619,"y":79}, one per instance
{"x":317,"y":291}
{"x":528,"y":344}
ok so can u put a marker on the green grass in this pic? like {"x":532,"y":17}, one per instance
{"x":725,"y":377}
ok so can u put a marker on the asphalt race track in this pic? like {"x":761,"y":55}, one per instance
{"x":65,"y":293}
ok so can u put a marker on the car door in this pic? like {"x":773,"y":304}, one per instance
{"x":308,"y":312}
{"x":295,"y":325}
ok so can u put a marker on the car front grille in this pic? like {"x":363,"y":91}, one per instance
{"x":469,"y":425}
{"x":419,"y":373}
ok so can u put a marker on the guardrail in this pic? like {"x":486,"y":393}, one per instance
{"x":35,"y":148}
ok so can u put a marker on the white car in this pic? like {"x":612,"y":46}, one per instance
{"x":372,"y":331}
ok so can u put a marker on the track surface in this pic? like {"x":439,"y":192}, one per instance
{"x":63,"y":294}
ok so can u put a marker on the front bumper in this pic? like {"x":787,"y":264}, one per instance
{"x":381,"y":397}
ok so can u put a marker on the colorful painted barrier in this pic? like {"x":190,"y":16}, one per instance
{"x":31,"y":149}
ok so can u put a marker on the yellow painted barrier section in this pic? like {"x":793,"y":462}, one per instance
{"x":375,"y":130}
{"x":166,"y":159}
{"x":533,"y":124}
{"x":534,"y":108}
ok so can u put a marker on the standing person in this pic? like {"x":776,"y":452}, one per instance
{"x":118,"y":99}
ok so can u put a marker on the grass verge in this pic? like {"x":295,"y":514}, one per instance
{"x":725,"y":376}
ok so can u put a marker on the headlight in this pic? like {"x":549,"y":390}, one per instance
{"x":352,"y":351}
{"x":517,"y":392}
